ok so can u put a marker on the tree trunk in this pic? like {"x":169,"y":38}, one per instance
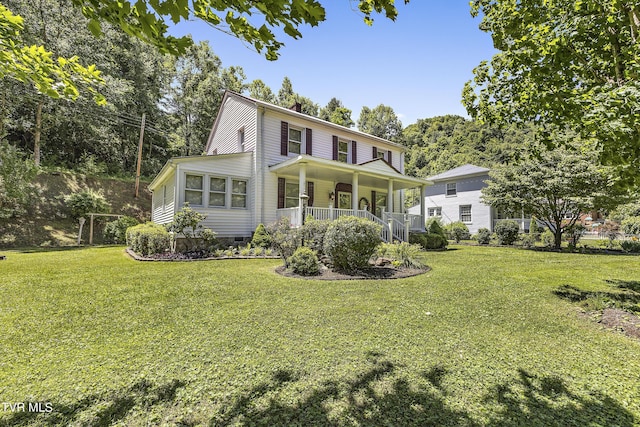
{"x":38,"y":133}
{"x":557,"y":234}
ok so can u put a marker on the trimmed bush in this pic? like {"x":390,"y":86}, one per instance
{"x":304,"y":261}
{"x":434,"y":226}
{"x":350,"y":242}
{"x":88,"y":201}
{"x":484,"y":236}
{"x":116,"y":231}
{"x":507,"y":232}
{"x":313,"y":232}
{"x":457,"y":231}
{"x":428,"y":240}
{"x":148,"y":238}
{"x":261,"y":239}
{"x":632,"y":246}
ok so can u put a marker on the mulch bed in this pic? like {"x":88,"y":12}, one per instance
{"x":371,"y":273}
{"x":188,"y":257}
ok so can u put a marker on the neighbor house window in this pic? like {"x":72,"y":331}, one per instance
{"x":291,"y":195}
{"x":343,"y":151}
{"x":238,"y":193}
{"x":452,"y":189}
{"x":465,"y":213}
{"x":217,"y":192}
{"x":295,"y":140}
{"x":434,"y":212}
{"x":193,"y":189}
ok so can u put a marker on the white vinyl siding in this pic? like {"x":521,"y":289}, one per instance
{"x":235,"y":115}
{"x":163,"y":203}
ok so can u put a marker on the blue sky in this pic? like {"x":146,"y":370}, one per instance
{"x":417,"y":64}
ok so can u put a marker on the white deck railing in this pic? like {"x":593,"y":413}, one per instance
{"x":393,"y":226}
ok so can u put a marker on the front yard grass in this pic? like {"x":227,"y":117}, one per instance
{"x":482,"y":339}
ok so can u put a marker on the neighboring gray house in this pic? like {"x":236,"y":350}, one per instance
{"x":455,"y":196}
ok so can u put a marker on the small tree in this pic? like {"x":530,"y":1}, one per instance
{"x":16,"y":174}
{"x":284,"y":239}
{"x":261,"y":238}
{"x":85,"y":202}
{"x":507,"y":232}
{"x":555,"y":185}
{"x":187,"y":223}
{"x":457,"y":231}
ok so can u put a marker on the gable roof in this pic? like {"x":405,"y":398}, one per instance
{"x":465,"y":170}
{"x":302,"y":116}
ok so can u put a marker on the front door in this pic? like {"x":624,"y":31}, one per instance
{"x":344,"y":200}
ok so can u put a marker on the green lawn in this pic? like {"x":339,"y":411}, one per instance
{"x":482,"y":339}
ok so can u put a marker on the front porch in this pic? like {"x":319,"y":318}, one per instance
{"x":327,"y":189}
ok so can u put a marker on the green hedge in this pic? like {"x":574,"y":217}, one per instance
{"x":147,"y":239}
{"x":428,"y":240}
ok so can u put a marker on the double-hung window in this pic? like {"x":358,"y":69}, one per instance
{"x":295,"y":140}
{"x":452,"y":190}
{"x":291,"y":194}
{"x":465,"y":213}
{"x":343,"y":151}
{"x":238,"y":193}
{"x":194,"y":189}
{"x":217,"y":192}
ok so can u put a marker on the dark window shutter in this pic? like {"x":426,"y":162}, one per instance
{"x":280,"y":193}
{"x":310,"y":193}
{"x":284,"y":138}
{"x":309,"y":142}
{"x":375,"y":153}
{"x":389,"y":156}
{"x":373,"y":200}
{"x":335,"y":147}
{"x":354,"y":152}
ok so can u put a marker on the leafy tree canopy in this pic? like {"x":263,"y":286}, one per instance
{"x":380,"y":121}
{"x":555,"y":186}
{"x":336,"y":112}
{"x":562,"y":64}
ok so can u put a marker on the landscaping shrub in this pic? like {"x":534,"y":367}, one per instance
{"x":116,"y":231}
{"x":632,"y":246}
{"x":313,"y":232}
{"x":405,"y":254}
{"x":148,"y":238}
{"x":88,"y":201}
{"x":434,"y":226}
{"x":304,"y":261}
{"x":528,"y":241}
{"x":507,"y":232}
{"x":484,"y":236}
{"x":187,"y":223}
{"x":548,"y":239}
{"x":574,"y":234}
{"x":631,"y":225}
{"x":457,"y":231}
{"x":428,"y":240}
{"x":350,"y":242}
{"x":284,"y":239}
{"x":261,"y":238}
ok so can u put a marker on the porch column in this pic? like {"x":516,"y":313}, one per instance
{"x":390,"y":197}
{"x":423,"y":196}
{"x":302,"y":188}
{"x":354,"y":191}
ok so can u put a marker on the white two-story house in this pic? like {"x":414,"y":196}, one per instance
{"x":264,"y":162}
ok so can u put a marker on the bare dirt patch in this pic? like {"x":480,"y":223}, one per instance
{"x":621,"y":320}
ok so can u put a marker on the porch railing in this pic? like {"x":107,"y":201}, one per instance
{"x":391,"y":228}
{"x":415,"y":221}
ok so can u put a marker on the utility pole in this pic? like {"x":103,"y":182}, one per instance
{"x":140,"y":154}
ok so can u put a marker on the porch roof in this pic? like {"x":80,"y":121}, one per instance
{"x":376,"y":173}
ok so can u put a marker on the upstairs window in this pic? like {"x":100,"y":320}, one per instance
{"x":193,"y":189}
{"x":295,"y":141}
{"x":452,"y":190}
{"x":343,"y":151}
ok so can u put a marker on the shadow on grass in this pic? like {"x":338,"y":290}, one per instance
{"x":34,"y":250}
{"x":627,"y":298}
{"x":380,"y":396}
{"x":99,"y":410}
